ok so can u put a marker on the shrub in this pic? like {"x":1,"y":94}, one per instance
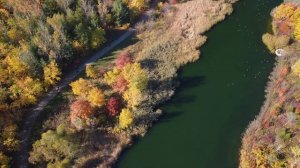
{"x":284,"y":134}
{"x":122,"y":59}
{"x":120,"y":85}
{"x":275,"y":42}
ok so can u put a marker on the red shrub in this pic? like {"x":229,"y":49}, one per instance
{"x":113,"y":106}
{"x":282,"y":91}
{"x":172,"y":2}
{"x":120,"y":85}
{"x":285,"y":28}
{"x":284,"y":71}
{"x":122,"y":59}
{"x":101,"y":71}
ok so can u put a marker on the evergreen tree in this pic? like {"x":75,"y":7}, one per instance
{"x":120,"y":12}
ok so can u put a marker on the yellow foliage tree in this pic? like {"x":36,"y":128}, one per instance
{"x":90,"y":71}
{"x":9,"y":137}
{"x":51,"y":73}
{"x":133,"y":97}
{"x":4,"y":160}
{"x":296,"y":68}
{"x":137,"y":82}
{"x":283,"y":11}
{"x":25,"y":92}
{"x":111,"y":76}
{"x":136,"y":76}
{"x":15,"y":35}
{"x":80,"y":87}
{"x":96,"y":97}
{"x":296,"y":16}
{"x":15,"y":66}
{"x":297,"y":30}
{"x":137,"y":4}
{"x":125,"y":118}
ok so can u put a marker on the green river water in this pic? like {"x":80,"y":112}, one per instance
{"x":218,"y":97}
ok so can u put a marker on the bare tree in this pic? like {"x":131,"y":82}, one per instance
{"x":64,"y":4}
{"x":87,"y":7}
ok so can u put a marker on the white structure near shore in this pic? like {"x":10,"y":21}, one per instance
{"x":280,"y":52}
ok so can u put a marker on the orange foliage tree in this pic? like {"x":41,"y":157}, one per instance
{"x":81,"y":111}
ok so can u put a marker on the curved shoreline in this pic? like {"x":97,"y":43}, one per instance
{"x":272,"y":139}
{"x":172,"y":44}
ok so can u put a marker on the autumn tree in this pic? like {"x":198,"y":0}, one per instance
{"x":122,"y":59}
{"x":137,"y":4}
{"x":137,"y":82}
{"x":125,"y":118}
{"x":133,"y":97}
{"x":25,"y":91}
{"x":136,"y":76}
{"x":90,"y":71}
{"x":52,"y":73}
{"x":297,"y":30}
{"x":111,"y":76}
{"x":9,"y":138}
{"x":113,"y":106}
{"x":283,"y":11}
{"x":96,"y":97}
{"x":4,"y":160}
{"x":296,"y":16}
{"x":80,"y":87}
{"x":296,"y":68}
{"x":15,"y":67}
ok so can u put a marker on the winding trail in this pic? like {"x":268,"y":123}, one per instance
{"x":21,"y":158}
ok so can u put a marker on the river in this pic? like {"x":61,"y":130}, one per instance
{"x":218,"y":97}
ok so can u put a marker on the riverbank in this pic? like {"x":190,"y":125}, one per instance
{"x":272,"y":139}
{"x":164,"y":45}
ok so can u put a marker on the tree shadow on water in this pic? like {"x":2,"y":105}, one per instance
{"x":178,"y":100}
{"x":168,"y":116}
{"x":190,"y":82}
